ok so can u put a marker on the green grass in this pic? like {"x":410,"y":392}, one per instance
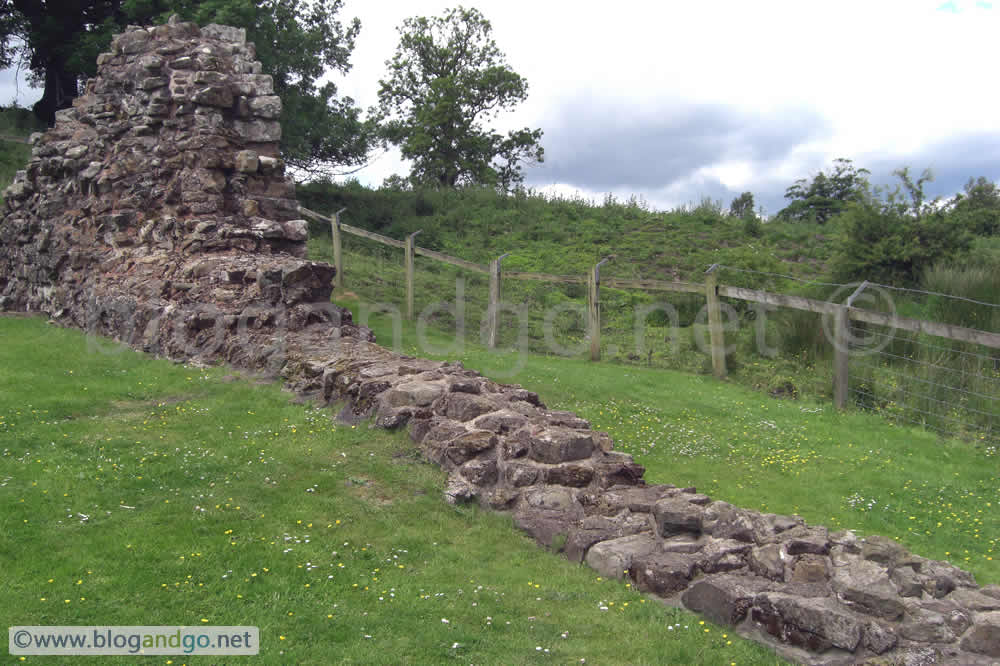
{"x":844,"y":470}
{"x":141,"y":492}
{"x":15,"y":122}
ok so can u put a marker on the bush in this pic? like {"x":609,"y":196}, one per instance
{"x":881,"y":243}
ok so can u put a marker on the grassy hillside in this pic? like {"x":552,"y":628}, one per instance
{"x":782,"y":352}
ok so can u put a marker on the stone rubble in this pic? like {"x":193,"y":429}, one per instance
{"x":157,"y":212}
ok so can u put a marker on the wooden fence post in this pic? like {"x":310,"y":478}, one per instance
{"x":715,"y":332}
{"x":841,"y":350}
{"x":493,"y":313}
{"x":338,"y":261}
{"x":840,"y":358}
{"x":594,"y":310}
{"x":408,"y":261}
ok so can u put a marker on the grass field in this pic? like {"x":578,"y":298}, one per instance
{"x":140,"y":492}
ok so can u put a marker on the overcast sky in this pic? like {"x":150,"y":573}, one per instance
{"x":675,"y":101}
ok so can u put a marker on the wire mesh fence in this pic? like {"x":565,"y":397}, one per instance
{"x":777,"y":341}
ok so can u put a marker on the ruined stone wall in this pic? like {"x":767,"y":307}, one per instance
{"x":157,"y":212}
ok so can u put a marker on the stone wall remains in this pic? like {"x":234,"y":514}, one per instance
{"x":157,"y":212}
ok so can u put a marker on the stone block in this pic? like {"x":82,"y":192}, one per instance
{"x":247,"y":161}
{"x":267,"y":106}
{"x":663,"y":574}
{"x":574,"y":475}
{"x":984,"y":636}
{"x":465,"y":407}
{"x":675,"y":515}
{"x":556,"y":444}
{"x":813,"y":624}
{"x":866,"y":586}
{"x":724,"y":599}
{"x":613,"y":558}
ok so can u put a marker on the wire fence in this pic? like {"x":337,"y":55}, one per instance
{"x":899,"y":362}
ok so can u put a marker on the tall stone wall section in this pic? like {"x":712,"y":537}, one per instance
{"x":157,"y":212}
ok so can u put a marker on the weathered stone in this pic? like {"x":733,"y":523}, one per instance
{"x":974,"y":600}
{"x":613,"y":558}
{"x":220,"y":95}
{"x":480,"y":472}
{"x":617,"y":469}
{"x":684,"y":543}
{"x":813,"y":624}
{"x":569,"y":474}
{"x":556,"y":444}
{"x":724,"y":599}
{"x":594,"y":529}
{"x":675,"y":515}
{"x":906,"y":582}
{"x":500,"y":422}
{"x":469,"y":444}
{"x":866,"y":585}
{"x":802,"y":539}
{"x":724,"y":521}
{"x":225,"y":33}
{"x":882,"y":550}
{"x":720,"y":555}
{"x":247,"y":161}
{"x":295,"y":230}
{"x":266,"y":106}
{"x":767,"y":561}
{"x":878,"y":638}
{"x":926,"y":627}
{"x":663,"y":574}
{"x":465,"y":407}
{"x":810,"y":569}
{"x":258,"y":131}
{"x":416,"y":393}
{"x":521,"y":474}
{"x":566,"y":419}
{"x":984,"y":636}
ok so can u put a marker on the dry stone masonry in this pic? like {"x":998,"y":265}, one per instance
{"x":157,"y":212}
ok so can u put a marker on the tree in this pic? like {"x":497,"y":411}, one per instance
{"x":827,"y":195}
{"x":895,"y":239}
{"x":297,"y":42}
{"x":978,"y":209}
{"x":742,"y":205}
{"x":445,"y":80}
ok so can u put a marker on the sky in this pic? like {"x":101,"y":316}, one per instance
{"x":676,"y":101}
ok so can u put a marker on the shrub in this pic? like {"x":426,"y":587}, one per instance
{"x":881,"y":243}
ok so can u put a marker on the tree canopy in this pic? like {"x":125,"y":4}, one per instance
{"x":828,"y":194}
{"x":896,"y":238}
{"x":297,"y":41}
{"x":445,"y":81}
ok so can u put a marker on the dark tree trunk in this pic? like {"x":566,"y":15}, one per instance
{"x":60,"y":90}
